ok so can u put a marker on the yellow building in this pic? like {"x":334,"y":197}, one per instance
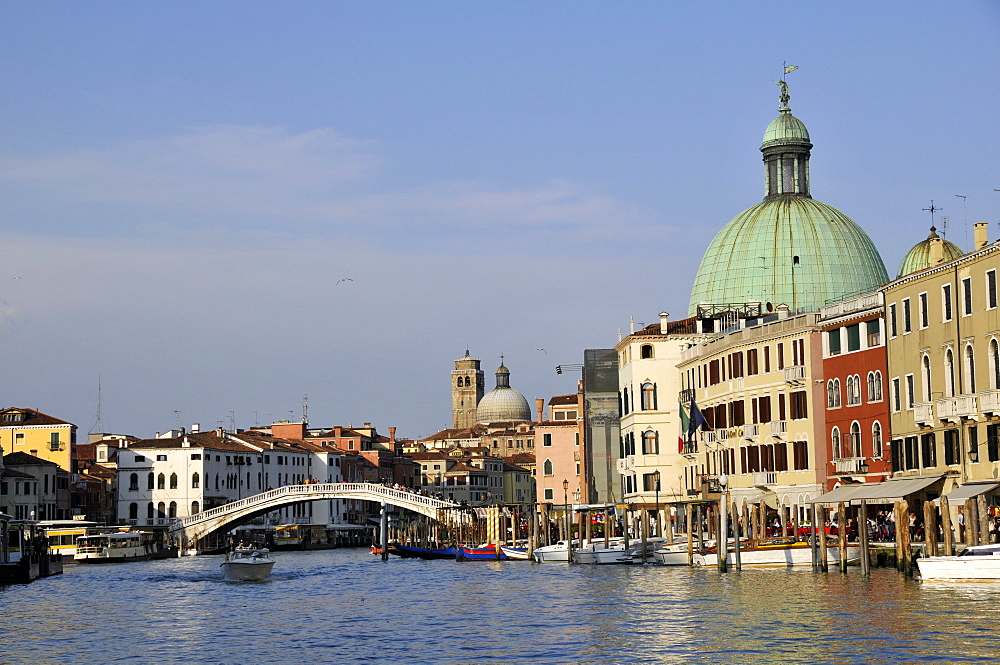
{"x":35,"y":433}
{"x":943,"y":348}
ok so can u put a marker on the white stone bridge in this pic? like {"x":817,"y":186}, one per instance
{"x":190,"y":529}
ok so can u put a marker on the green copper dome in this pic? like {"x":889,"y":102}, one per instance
{"x":919,"y":257}
{"x":790,"y":249}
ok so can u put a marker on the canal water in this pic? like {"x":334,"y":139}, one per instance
{"x":347,"y":606}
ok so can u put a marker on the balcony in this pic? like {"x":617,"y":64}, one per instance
{"x":689,"y":448}
{"x":989,"y":401}
{"x":707,"y":437}
{"x":923,"y":413}
{"x":751,"y":432}
{"x":779,"y":428}
{"x":954,"y":409}
{"x":765,"y":478}
{"x":849,"y":465}
{"x":686,"y":395}
{"x":795,"y":374}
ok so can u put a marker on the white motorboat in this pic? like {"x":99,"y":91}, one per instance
{"x":775,"y":553}
{"x":976,"y":563}
{"x":587,"y":553}
{"x":674,"y":554}
{"x":557,"y":553}
{"x":515,"y":553}
{"x":633,"y":554}
{"x":244,"y":564}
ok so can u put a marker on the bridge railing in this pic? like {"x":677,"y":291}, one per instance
{"x":402,"y":496}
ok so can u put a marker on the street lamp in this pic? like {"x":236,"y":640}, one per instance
{"x":656,"y":486}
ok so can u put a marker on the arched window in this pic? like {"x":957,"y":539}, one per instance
{"x":949,"y":373}
{"x":161,"y":482}
{"x":216,"y":481}
{"x":547,"y":468}
{"x":970,"y":369}
{"x":133,"y":511}
{"x":173,"y":481}
{"x":833,"y":394}
{"x":173,"y":510}
{"x":195,"y":507}
{"x":150,"y":511}
{"x":876,"y":386}
{"x":195,"y":480}
{"x":853,"y":390}
{"x":925,"y":371}
{"x":625,"y":400}
{"x":161,"y":510}
{"x":876,"y":440}
{"x":133,"y":482}
{"x":459,"y":384}
{"x":646,"y":351}
{"x":994,"y":365}
{"x":150,"y":481}
{"x":835,"y":438}
{"x":650,"y":443}
{"x":856,"y":440}
{"x":468,"y":381}
{"x":649,"y":397}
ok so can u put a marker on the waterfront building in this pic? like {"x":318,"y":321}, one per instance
{"x":651,"y":460}
{"x":462,"y":474}
{"x":943,"y":389}
{"x":855,"y":371}
{"x":38,"y":434}
{"x":32,"y":488}
{"x":559,"y":451}
{"x":760,"y":387}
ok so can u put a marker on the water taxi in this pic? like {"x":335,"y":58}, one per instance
{"x":975,"y":563}
{"x":775,"y":553}
{"x":63,"y":534}
{"x":247,"y":564}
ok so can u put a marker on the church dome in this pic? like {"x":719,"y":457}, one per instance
{"x":919,"y":257}
{"x":503,"y":403}
{"x":789,"y":249}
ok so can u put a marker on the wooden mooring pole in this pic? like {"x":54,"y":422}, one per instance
{"x":946,"y":534}
{"x":842,"y":537}
{"x":866,"y":562}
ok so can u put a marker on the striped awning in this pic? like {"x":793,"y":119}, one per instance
{"x":969,"y":490}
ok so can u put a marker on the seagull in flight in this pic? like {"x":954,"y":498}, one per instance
{"x":345,"y":279}
{"x":543,"y":351}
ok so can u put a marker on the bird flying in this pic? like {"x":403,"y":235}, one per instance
{"x":345,"y":279}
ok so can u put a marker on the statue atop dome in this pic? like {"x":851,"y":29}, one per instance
{"x":784,"y":95}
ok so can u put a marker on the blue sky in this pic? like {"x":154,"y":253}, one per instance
{"x":184,"y":185}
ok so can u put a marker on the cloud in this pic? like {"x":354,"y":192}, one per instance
{"x":250,"y":177}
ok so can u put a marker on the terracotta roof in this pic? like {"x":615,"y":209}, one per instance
{"x":31,"y":418}
{"x":562,"y":399}
{"x":459,"y":433}
{"x":24,"y":459}
{"x":11,"y":473}
{"x":520,"y":458}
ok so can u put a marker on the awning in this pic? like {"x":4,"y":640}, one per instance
{"x":885,"y":492}
{"x":969,"y":490}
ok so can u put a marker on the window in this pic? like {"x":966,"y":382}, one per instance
{"x":967,"y":296}
{"x":875,"y":386}
{"x":853,"y":390}
{"x":650,"y":482}
{"x":649,"y":397}
{"x":910,"y":396}
{"x":895,"y":394}
{"x":150,"y":481}
{"x":952,"y":452}
{"x":173,"y":481}
{"x":970,"y":369}
{"x":781,"y":355}
{"x":924,"y":315}
{"x":547,"y":468}
{"x":797,"y":405}
{"x":195,"y":456}
{"x":833,"y":341}
{"x":856,"y":450}
{"x":767,"y":359}
{"x":892,"y":320}
{"x":548,"y":494}
{"x":991,"y":289}
{"x":54,"y":441}
{"x":546,"y":440}
{"x":872,"y":328}
{"x":133,"y":482}
{"x":800,"y":455}
{"x":974,"y":443}
{"x":907,"y":325}
{"x":650,"y":443}
{"x":877,"y":449}
{"x":195,"y":480}
{"x":946,"y":302}
{"x":161,"y":458}
{"x":835,"y":438}
{"x":161,"y":482}
{"x":173,"y":510}
{"x":993,"y":442}
{"x":949,"y":373}
{"x":752,"y":368}
{"x":928,"y":450}
{"x":646,"y":351}
{"x":994,"y":365}
{"x":854,"y":337}
{"x":833,"y":394}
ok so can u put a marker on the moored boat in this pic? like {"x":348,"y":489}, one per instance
{"x":247,"y":564}
{"x":783,"y":552}
{"x":555,"y":553}
{"x":516,"y":553}
{"x":975,"y":563}
{"x":486,"y":552}
{"x":121,"y":546}
{"x":409,"y":552}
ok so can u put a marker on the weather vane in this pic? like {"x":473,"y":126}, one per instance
{"x":788,"y":69}
{"x":933,"y":209}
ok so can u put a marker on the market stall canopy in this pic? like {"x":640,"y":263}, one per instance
{"x":886,"y":492}
{"x":969,"y":490}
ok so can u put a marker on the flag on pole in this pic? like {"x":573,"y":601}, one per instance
{"x":790,"y":68}
{"x":685,"y":423}
{"x":697,"y":419}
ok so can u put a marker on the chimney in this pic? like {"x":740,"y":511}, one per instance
{"x":185,"y":443}
{"x":631,"y":325}
{"x":540,"y":408}
{"x":782,"y":311}
{"x":195,"y":428}
{"x":392,"y":435}
{"x":936,"y":251}
{"x":979,"y":231}
{"x":663,"y":322}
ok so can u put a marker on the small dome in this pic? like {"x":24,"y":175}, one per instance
{"x":503,"y":403}
{"x":919,"y":256}
{"x":786,"y":128}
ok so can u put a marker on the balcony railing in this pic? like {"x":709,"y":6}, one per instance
{"x":751,"y":432}
{"x":689,"y":448}
{"x":795,"y":373}
{"x":923,"y":413}
{"x":686,"y":395}
{"x":762,"y":478}
{"x":851,"y":465}
{"x":779,"y":428}
{"x":955,"y":408}
{"x":707,"y":437}
{"x":989,"y":401}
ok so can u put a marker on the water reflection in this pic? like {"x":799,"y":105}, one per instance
{"x":346,"y":606}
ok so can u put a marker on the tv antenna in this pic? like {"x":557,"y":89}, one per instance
{"x":965,"y":216}
{"x":305,"y":409}
{"x":98,"y":426}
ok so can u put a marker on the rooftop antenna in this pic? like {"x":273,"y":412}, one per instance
{"x":305,"y":409}
{"x":177,"y":419}
{"x":965,"y":216}
{"x":944,"y":226}
{"x":933,"y":209}
{"x":232,"y":421}
{"x":98,"y":426}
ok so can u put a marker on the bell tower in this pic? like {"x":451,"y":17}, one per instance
{"x":466,"y":391}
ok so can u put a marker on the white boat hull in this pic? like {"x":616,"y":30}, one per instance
{"x":552,"y":556}
{"x":673,"y":556}
{"x":972,"y":568}
{"x":246,"y":571}
{"x":778,"y":557}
